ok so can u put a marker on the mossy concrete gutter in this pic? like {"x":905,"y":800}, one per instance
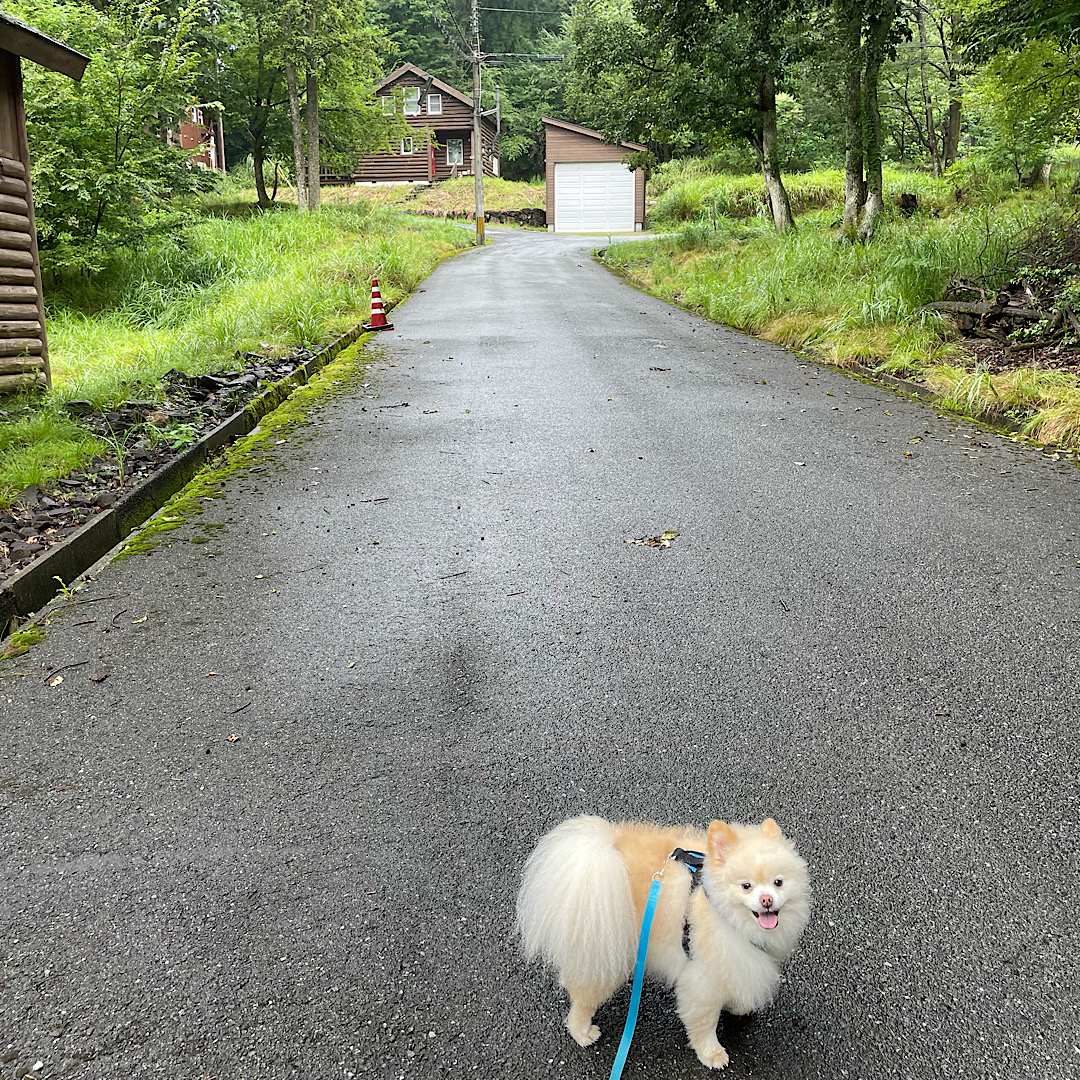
{"x":31,"y":589}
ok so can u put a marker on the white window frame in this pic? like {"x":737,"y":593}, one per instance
{"x":410,"y":97}
{"x":407,"y":139}
{"x":434,"y":104}
{"x":388,"y":106}
{"x":461,"y":154}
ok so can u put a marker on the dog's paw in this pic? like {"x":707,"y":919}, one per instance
{"x":714,"y":1057}
{"x":585,"y":1035}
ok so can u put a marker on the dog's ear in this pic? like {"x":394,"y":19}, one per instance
{"x":722,"y":839}
{"x":771,"y":830}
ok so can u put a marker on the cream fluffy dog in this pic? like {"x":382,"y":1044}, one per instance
{"x":583,"y":894}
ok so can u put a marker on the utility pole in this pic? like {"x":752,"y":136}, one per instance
{"x":477,"y":145}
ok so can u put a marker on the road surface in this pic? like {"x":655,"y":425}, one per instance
{"x":866,"y":628}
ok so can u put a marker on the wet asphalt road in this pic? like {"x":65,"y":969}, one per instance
{"x":867,"y":628}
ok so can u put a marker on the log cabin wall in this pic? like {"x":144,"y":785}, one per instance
{"x":24,"y":357}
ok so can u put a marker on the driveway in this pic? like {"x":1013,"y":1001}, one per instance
{"x":282,"y":836}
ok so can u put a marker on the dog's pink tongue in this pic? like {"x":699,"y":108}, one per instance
{"x":768,"y":919}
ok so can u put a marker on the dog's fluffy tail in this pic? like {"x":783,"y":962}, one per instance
{"x":575,"y":909}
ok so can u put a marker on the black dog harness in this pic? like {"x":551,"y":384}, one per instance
{"x":693,"y":861}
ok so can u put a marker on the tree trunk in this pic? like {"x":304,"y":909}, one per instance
{"x":297,"y":135}
{"x":854,"y":186}
{"x":770,"y":156}
{"x":258,"y":155}
{"x":928,"y":105}
{"x":876,"y":38}
{"x":314,"y":179}
{"x":952,"y":128}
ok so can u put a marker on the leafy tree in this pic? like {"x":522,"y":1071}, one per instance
{"x":332,"y":47}
{"x":248,"y":79}
{"x":411,"y":35}
{"x":1027,"y":101}
{"x":990,"y":27}
{"x":685,"y":73}
{"x":865,"y":32}
{"x":104,"y":168}
{"x":530,"y":90}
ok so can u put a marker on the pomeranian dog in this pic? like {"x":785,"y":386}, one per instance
{"x":583,"y":894}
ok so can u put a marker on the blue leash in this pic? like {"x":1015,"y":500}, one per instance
{"x":639,"y":976}
{"x":693,"y":861}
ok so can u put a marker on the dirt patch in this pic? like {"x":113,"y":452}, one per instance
{"x":995,"y":358}
{"x":144,"y":436}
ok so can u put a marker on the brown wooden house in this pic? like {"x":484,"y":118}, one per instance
{"x":24,"y":354}
{"x":446,"y":113}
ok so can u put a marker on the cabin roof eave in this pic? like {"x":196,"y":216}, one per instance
{"x":23,"y":40}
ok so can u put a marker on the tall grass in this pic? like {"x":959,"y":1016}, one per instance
{"x":684,"y":192}
{"x":283,"y":278}
{"x":855,"y":304}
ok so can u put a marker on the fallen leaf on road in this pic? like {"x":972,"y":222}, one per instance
{"x":208,"y":674}
{"x":661,"y":541}
{"x":143,"y":619}
{"x":56,"y":680}
{"x":100,"y":677}
{"x":234,"y":737}
{"x":351,"y":663}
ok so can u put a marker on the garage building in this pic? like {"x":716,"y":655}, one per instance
{"x":589,"y":189}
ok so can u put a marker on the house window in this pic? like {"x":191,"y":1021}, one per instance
{"x":406,"y":146}
{"x":387,"y":105}
{"x":411,"y":97}
{"x":455,"y":151}
{"x":434,"y":104}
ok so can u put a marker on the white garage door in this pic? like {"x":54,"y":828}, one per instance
{"x":593,"y":196}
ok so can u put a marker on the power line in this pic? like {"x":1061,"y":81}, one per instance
{"x":453,"y":18}
{"x":523,"y":11}
{"x":445,"y":30}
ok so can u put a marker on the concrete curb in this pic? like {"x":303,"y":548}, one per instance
{"x":31,"y":589}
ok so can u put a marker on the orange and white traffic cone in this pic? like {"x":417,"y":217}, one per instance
{"x":378,"y":317}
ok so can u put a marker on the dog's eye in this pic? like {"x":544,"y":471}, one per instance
{"x":745,"y":886}
{"x":778,"y":882}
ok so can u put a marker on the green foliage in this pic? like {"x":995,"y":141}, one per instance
{"x":691,"y":188}
{"x":104,"y":173}
{"x":857,"y":303}
{"x":412,"y":36}
{"x":1026,"y":101}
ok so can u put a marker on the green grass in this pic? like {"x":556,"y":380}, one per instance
{"x":680,"y":192}
{"x":455,"y":197}
{"x":234,"y":283}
